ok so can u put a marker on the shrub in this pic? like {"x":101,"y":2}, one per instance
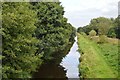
{"x":84,"y":34}
{"x":102,"y":39}
{"x":113,"y":35}
{"x":92,"y":33}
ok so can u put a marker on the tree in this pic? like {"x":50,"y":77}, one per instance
{"x":31,"y":31}
{"x":80,"y":29}
{"x":111,"y":33}
{"x":115,"y":30}
{"x":117,"y":26}
{"x":101,"y":25}
{"x":53,"y":31}
{"x":86,"y":29}
{"x":19,"y":46}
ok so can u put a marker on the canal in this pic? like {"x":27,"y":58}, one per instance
{"x":71,"y":61}
{"x":64,"y":67}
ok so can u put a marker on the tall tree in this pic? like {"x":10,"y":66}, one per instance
{"x":101,"y":25}
{"x":19,"y":46}
{"x":53,"y":31}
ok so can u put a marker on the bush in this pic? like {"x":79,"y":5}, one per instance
{"x":102,"y":39}
{"x":84,"y":34}
{"x":113,"y":35}
{"x":92,"y":33}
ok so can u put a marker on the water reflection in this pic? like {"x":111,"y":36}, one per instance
{"x":53,"y":69}
{"x":71,"y":62}
{"x":50,"y":71}
{"x":64,"y":65}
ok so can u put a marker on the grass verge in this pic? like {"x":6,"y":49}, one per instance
{"x":97,"y":60}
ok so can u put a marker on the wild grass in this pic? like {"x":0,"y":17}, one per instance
{"x":110,"y":54}
{"x":97,"y":60}
{"x":109,"y":40}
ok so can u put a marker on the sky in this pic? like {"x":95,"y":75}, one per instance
{"x":80,"y":12}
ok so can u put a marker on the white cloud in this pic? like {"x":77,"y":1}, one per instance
{"x":80,"y":12}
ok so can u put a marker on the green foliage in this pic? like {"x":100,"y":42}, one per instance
{"x":84,"y":34}
{"x":80,"y":29}
{"x":98,"y":60}
{"x":111,"y":33}
{"x":110,"y":54}
{"x":115,"y":30}
{"x":19,"y":46}
{"x":86,"y":29}
{"x":102,"y":39}
{"x":101,"y":25}
{"x":53,"y":31}
{"x":117,"y":27}
{"x":31,"y":31}
{"x":92,"y":33}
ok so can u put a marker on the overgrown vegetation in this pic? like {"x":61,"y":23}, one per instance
{"x":98,"y":60}
{"x":92,"y":33}
{"x":100,"y":48}
{"x":103,"y":26}
{"x":31,"y":31}
{"x":53,"y":31}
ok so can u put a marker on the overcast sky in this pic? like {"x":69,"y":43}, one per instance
{"x":80,"y":12}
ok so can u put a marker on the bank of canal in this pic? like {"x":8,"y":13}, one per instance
{"x":64,"y":67}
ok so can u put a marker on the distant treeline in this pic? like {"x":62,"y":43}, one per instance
{"x":103,"y":26}
{"x":32,"y":32}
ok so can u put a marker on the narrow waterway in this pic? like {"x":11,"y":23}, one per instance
{"x":64,"y":66}
{"x":71,"y":61}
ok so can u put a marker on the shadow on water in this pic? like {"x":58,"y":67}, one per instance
{"x":54,"y":68}
{"x":50,"y":71}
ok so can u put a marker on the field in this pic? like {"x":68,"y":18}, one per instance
{"x":98,"y":60}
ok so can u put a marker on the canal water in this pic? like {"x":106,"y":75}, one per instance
{"x":65,"y":67}
{"x":71,"y":61}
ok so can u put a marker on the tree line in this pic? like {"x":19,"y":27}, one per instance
{"x":31,"y":33}
{"x":102,"y":26}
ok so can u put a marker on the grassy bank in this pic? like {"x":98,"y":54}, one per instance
{"x":97,"y":60}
